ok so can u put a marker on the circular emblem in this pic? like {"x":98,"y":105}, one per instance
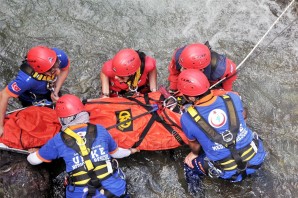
{"x":217,"y":118}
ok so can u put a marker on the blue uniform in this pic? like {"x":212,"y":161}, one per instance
{"x":25,"y":86}
{"x":216,"y":115}
{"x":222,"y":68}
{"x":101,"y":148}
{"x":215,"y":75}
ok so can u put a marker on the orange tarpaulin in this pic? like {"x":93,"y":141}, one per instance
{"x":29,"y":128}
{"x":148,"y":127}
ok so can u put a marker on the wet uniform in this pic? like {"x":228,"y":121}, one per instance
{"x":102,"y":147}
{"x":215,"y":113}
{"x":29,"y":89}
{"x":221,"y":67}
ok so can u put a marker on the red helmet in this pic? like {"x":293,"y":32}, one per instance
{"x":41,"y":58}
{"x":195,"y":56}
{"x":192,"y":82}
{"x":68,"y":105}
{"x":126,"y":62}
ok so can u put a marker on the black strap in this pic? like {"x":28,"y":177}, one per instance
{"x":211,"y":133}
{"x":25,"y":67}
{"x":214,"y":58}
{"x":146,"y":129}
{"x":232,"y":114}
{"x":90,"y":137}
{"x":94,"y":183}
{"x":150,"y":122}
{"x":146,"y":106}
{"x":171,"y":121}
{"x":142,"y":56}
{"x":172,"y":131}
{"x":222,"y":138}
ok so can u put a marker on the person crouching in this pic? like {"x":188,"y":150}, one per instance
{"x":222,"y":146}
{"x":87,"y":150}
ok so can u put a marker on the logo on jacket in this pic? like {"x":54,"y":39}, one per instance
{"x":15,"y":87}
{"x":122,"y":117}
{"x":217,"y":118}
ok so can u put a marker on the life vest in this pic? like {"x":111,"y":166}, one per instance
{"x":238,"y":158}
{"x":25,"y":67}
{"x":93,"y":173}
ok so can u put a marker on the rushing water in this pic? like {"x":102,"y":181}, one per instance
{"x":92,"y":31}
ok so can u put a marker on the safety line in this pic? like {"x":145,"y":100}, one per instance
{"x":240,"y":64}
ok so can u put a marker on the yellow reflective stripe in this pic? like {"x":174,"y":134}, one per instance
{"x":35,"y":74}
{"x":43,"y":77}
{"x":225,"y":96}
{"x":100,"y":167}
{"x":103,"y":175}
{"x":89,"y":164}
{"x":83,"y":182}
{"x":227,"y":162}
{"x":246,"y":152}
{"x":137,"y":78}
{"x":193,"y":112}
{"x":79,"y":173}
{"x":251,"y":156}
{"x":231,"y":168}
{"x":82,"y":146}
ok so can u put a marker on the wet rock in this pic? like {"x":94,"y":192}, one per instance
{"x":20,"y":179}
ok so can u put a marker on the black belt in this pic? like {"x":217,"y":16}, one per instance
{"x":229,"y":163}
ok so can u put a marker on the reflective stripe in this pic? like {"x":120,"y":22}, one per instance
{"x":134,"y":83}
{"x":28,"y":70}
{"x":229,"y":163}
{"x":102,"y":172}
{"x":231,"y":168}
{"x":82,"y":145}
{"x":194,"y":113}
{"x":43,"y":77}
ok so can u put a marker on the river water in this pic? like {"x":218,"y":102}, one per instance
{"x":92,"y":31}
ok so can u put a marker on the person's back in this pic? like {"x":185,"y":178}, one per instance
{"x":87,"y":150}
{"x":216,"y":124}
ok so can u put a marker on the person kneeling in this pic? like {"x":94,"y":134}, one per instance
{"x":87,"y":150}
{"x":222,"y":146}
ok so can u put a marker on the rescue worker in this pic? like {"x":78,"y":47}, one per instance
{"x":222,"y":146}
{"x":41,"y":76}
{"x":87,"y":150}
{"x":127,"y":73}
{"x":200,"y":56}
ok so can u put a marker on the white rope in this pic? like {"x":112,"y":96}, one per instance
{"x":240,"y":64}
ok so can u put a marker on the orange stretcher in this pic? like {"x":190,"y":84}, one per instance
{"x":141,"y":122}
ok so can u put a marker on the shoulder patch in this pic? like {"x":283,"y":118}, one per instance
{"x":15,"y":87}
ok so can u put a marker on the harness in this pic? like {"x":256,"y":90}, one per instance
{"x":238,"y":159}
{"x":133,"y":81}
{"x":25,"y":67}
{"x":154,"y":118}
{"x":92,"y":173}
